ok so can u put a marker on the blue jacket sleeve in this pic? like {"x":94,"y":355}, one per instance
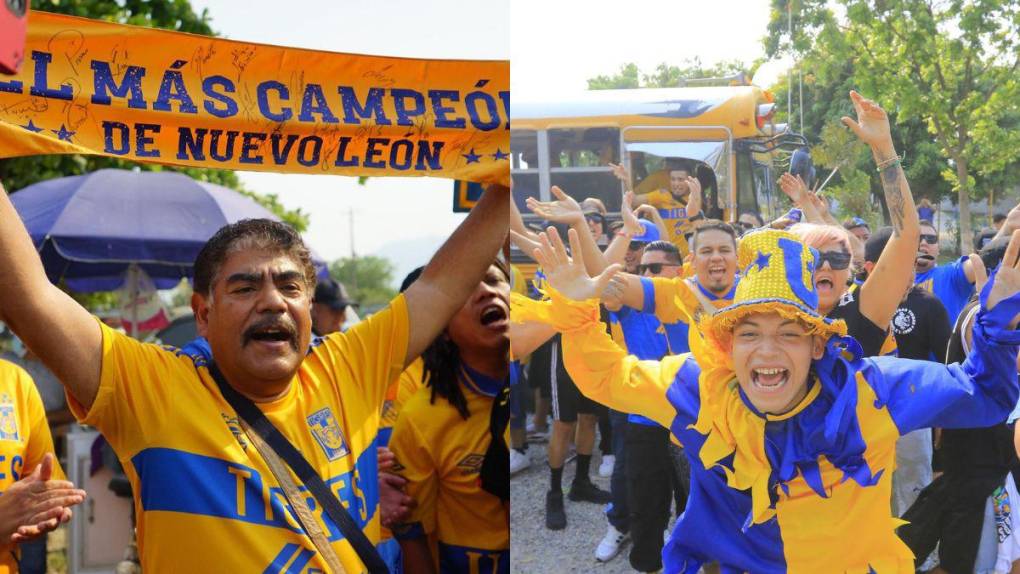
{"x":980,"y":392}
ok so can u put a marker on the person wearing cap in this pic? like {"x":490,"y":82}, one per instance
{"x":329,"y":307}
{"x":789,"y":433}
{"x":858,"y":227}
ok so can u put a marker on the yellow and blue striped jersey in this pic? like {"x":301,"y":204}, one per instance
{"x":205,"y":499}
{"x":440,"y":454}
{"x":24,"y":435}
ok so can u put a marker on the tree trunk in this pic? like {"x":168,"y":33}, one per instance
{"x":966,"y":235}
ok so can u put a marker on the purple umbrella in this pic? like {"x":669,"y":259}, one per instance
{"x":90,"y":228}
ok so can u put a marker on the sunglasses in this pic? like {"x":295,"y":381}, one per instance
{"x":838,"y":260}
{"x":655,"y":268}
{"x":930,"y":239}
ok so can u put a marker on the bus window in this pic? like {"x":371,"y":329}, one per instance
{"x":579,"y":161}
{"x":763,"y":188}
{"x":747,"y":200}
{"x":648,"y":164}
{"x":524,"y":165}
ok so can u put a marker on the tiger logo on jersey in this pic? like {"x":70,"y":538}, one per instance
{"x":327,"y":432}
{"x":8,"y":420}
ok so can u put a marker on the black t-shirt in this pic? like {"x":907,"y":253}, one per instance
{"x":868,"y":334}
{"x":921,"y":326}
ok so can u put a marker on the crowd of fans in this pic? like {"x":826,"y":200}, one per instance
{"x":672,"y":271}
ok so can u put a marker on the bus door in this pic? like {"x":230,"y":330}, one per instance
{"x":712,"y":158}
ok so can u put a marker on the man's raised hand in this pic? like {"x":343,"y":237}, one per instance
{"x":567,"y":275}
{"x":1007,"y":278}
{"x":794,"y":188}
{"x":564,"y":209}
{"x":872,"y":125}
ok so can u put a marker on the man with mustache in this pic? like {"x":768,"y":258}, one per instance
{"x":199,"y":481}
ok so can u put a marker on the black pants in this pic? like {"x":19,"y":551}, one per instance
{"x":649,"y":493}
{"x":949,"y":512}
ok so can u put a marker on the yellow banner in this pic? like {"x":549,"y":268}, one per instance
{"x":149,"y":95}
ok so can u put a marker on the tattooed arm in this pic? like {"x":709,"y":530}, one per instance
{"x":893,"y":274}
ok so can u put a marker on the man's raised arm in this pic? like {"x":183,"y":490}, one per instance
{"x":456,"y":269}
{"x":55,"y":327}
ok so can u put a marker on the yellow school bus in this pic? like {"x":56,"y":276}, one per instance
{"x":726,"y":132}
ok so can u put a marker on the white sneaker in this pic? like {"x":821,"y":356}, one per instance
{"x":610,"y":545}
{"x":518,"y":461}
{"x":606,"y":467}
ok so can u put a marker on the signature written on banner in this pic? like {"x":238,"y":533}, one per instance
{"x":151,"y":95}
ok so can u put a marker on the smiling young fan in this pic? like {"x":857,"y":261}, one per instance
{"x":791,"y":443}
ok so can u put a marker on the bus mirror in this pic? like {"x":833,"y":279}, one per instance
{"x":764,"y":114}
{"x":801,"y":164}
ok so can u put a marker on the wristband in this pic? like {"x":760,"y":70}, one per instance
{"x":883,"y":165}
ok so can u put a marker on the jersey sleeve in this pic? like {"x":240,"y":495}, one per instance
{"x":136,"y":391}
{"x":602,"y":370}
{"x":958,"y":279}
{"x":981,"y":391}
{"x":371,"y":354}
{"x":670,"y":300}
{"x":616,"y":327}
{"x":416,"y":464}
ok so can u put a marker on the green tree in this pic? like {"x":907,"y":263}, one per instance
{"x":367,"y":278}
{"x":178,"y":15}
{"x":666,"y":75}
{"x":953,"y":66}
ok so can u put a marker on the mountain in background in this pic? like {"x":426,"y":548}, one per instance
{"x":408,"y":254}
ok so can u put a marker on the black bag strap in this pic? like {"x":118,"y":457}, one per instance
{"x":495,"y":471}
{"x":255,"y":418}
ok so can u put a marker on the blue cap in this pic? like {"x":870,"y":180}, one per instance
{"x":856,"y":222}
{"x":650,"y":234}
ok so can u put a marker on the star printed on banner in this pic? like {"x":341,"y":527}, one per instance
{"x":499,"y":155}
{"x":471,"y":156}
{"x":63,"y":134}
{"x":762,"y":261}
{"x":30,"y":126}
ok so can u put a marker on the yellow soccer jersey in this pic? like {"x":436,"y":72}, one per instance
{"x":205,"y":499}
{"x":24,"y":435}
{"x":674,"y":215}
{"x":400,"y":391}
{"x":440,"y":454}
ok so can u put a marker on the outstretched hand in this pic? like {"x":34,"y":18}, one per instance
{"x":621,"y":173}
{"x":872,"y":125}
{"x":694,"y":200}
{"x":564,"y":209}
{"x":794,"y":188}
{"x":630,"y":219}
{"x":567,"y":274}
{"x":36,"y":504}
{"x":1007,"y":278}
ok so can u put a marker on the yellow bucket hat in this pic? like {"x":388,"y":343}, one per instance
{"x":776,"y":276}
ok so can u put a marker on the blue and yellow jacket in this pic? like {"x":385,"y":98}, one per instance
{"x":809,"y":490}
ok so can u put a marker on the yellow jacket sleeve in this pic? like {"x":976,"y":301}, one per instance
{"x":597,"y":365}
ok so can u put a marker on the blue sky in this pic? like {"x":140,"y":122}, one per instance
{"x":404,"y":218}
